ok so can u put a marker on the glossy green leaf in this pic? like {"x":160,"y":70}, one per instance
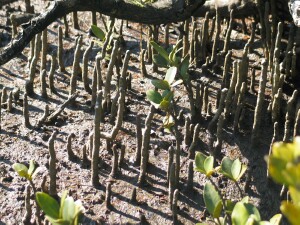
{"x":160,"y":61}
{"x":292,"y":174}
{"x":209,"y":165}
{"x":245,"y":199}
{"x":48,"y":204}
{"x":242,"y":212}
{"x":168,"y":95}
{"x":160,"y":50}
{"x":204,"y":164}
{"x":234,"y":170}
{"x":170,"y":75}
{"x":31,"y":167}
{"x":154,"y":96}
{"x":164,"y":105}
{"x":21,"y":169}
{"x":62,"y":202}
{"x":199,"y":162}
{"x":212,"y":200}
{"x":226,"y":166}
{"x":276,"y":167}
{"x":184,"y":67}
{"x":251,"y":221}
{"x":284,"y":163}
{"x":98,"y":32}
{"x":220,"y":221}
{"x":275,"y":220}
{"x":291,"y":212}
{"x":161,"y":84}
{"x":172,"y":55}
{"x":242,"y":171}
{"x":295,"y":194}
{"x":69,"y":209}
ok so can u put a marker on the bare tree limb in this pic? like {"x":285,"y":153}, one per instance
{"x":159,"y":12}
{"x":163,"y":11}
{"x":61,"y":108}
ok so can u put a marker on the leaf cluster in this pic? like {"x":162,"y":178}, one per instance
{"x":284,"y":168}
{"x":234,"y":212}
{"x":24,"y":171}
{"x":67,"y":213}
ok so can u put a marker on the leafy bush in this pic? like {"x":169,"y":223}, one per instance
{"x":162,"y":97}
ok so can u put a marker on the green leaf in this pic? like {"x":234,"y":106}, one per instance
{"x":295,"y":194}
{"x":236,"y":168}
{"x":172,"y":55}
{"x":184,"y":67}
{"x":245,"y":199}
{"x":209,"y":165}
{"x":167,"y":95}
{"x":226,"y":166}
{"x":164,"y":105}
{"x":284,"y":163}
{"x":204,"y":164}
{"x":242,"y":171}
{"x":170,"y":75}
{"x":220,"y":221}
{"x":31,"y":167}
{"x":48,"y":204}
{"x":160,"y":61}
{"x":199,"y":162}
{"x":160,"y":50}
{"x":154,"y":96}
{"x":62,"y":202}
{"x":275,"y":220}
{"x":69,"y":209}
{"x":98,"y":32}
{"x":21,"y":169}
{"x":291,"y":212}
{"x":242,"y":212}
{"x":161,"y":84}
{"x":212,"y":200}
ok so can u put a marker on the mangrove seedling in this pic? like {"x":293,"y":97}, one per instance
{"x":67,"y":213}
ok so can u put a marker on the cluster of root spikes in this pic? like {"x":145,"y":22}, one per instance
{"x":208,"y":41}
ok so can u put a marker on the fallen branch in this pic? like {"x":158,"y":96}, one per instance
{"x":52,"y":117}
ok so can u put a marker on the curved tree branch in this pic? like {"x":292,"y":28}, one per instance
{"x":161,"y":12}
